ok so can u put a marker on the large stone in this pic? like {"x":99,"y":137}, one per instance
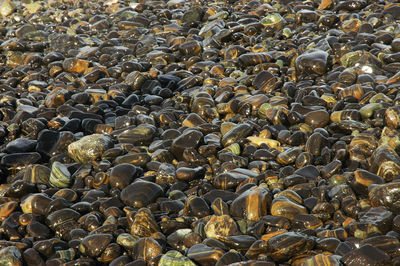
{"x":140,"y":135}
{"x":189,"y":139}
{"x":283,"y":207}
{"x":222,"y":225}
{"x":251,"y":204}
{"x":89,"y":148}
{"x":7,"y":7}
{"x":312,"y":62}
{"x":141,"y":193}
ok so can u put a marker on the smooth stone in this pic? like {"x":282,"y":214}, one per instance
{"x":32,"y":257}
{"x":196,"y":206}
{"x":312,"y":62}
{"x":75,"y":65}
{"x":205,"y":255}
{"x":385,"y":162}
{"x":60,"y":177}
{"x":222,"y":225}
{"x":239,"y":242}
{"x":286,"y":245}
{"x":188,"y":174}
{"x":21,"y":145}
{"x":10,"y":256}
{"x":59,"y":217}
{"x":366,"y":255}
{"x":89,"y":148}
{"x":35,"y":203}
{"x":229,"y":258}
{"x":56,"y":98}
{"x":189,"y":139}
{"x":219,"y":207}
{"x":387,"y":195}
{"x":7,"y":7}
{"x":137,"y":159}
{"x":236,"y":133}
{"x":126,"y":240}
{"x":388,"y":244}
{"x":51,"y":143}
{"x":225,"y":195}
{"x":144,"y":224}
{"x":7,"y":208}
{"x":94,"y":245}
{"x":368,"y":110}
{"x":283,"y":207}
{"x":140,"y":135}
{"x":315,"y":143}
{"x":175,"y":258}
{"x":38,"y":230}
{"x":251,"y":204}
{"x":317,"y":118}
{"x":193,"y":14}
{"x":265,"y":81}
{"x":309,"y":171}
{"x":193,"y":120}
{"x":146,"y":248}
{"x":321,"y":259}
{"x":20,"y":159}
{"x":171,"y":206}
{"x":228,"y":180}
{"x":123,"y":174}
{"x":141,"y":193}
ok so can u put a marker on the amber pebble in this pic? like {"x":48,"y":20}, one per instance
{"x":312,"y":62}
{"x":378,"y":219}
{"x":366,"y":255}
{"x":94,"y":245}
{"x":235,"y":134}
{"x":219,"y":207}
{"x":318,"y":118}
{"x":306,"y":221}
{"x":222,"y":225}
{"x":7,"y":208}
{"x":146,"y":248}
{"x":144,"y":224}
{"x":286,"y":245}
{"x":252,"y":204}
{"x":362,"y":179}
{"x":203,"y":254}
{"x":75,"y":65}
{"x":265,"y":81}
{"x":392,"y":116}
{"x":283,"y":207}
{"x":321,"y":259}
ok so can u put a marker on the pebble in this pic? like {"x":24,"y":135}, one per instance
{"x":141,"y":193}
{"x":222,"y":225}
{"x":212,"y":133}
{"x":89,"y":148}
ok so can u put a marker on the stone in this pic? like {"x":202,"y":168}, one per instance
{"x":189,"y":139}
{"x":312,"y":62}
{"x":222,"y":225}
{"x":283,"y":207}
{"x":141,"y":193}
{"x":251,"y":204}
{"x":89,"y":148}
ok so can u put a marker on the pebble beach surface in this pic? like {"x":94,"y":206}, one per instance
{"x":188,"y":133}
